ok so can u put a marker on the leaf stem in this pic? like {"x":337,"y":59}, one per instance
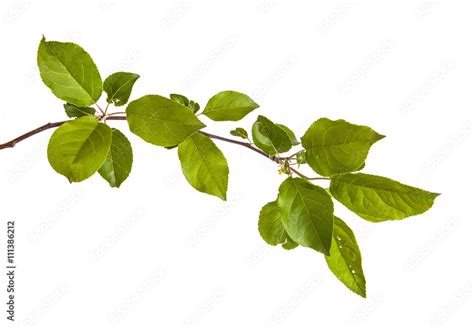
{"x":100,"y":109}
{"x":116,"y":113}
{"x":293,"y":155}
{"x":276,"y":159}
{"x":106,"y":108}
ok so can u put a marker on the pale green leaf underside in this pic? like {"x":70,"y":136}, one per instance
{"x":307,"y":213}
{"x":290,"y":244}
{"x":335,"y":147}
{"x":345,"y":260}
{"x":118,"y":164}
{"x":271,"y":228}
{"x":78,"y":148}
{"x":204,"y":166}
{"x":180,"y":99}
{"x":301,"y":157}
{"x":229,"y":106}
{"x":194,"y":106}
{"x":161,"y":121}
{"x":69,"y":72}
{"x":74,"y":111}
{"x":183,"y":100}
{"x":269,"y":137}
{"x":240,"y":132}
{"x":377,"y":199}
{"x":118,"y":87}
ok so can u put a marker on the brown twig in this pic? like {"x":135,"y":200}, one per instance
{"x":276,"y":159}
{"x":12,"y":143}
{"x":47,"y":126}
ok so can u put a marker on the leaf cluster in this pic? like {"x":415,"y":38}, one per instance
{"x":302,"y":214}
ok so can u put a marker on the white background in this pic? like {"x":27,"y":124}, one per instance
{"x":156,"y":253}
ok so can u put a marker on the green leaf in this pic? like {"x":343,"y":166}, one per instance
{"x":270,"y":225}
{"x":290,"y":134}
{"x":345,"y":260}
{"x":229,"y":106}
{"x":171,"y":147}
{"x":69,"y":72}
{"x":301,"y":157}
{"x":194,"y":106}
{"x":271,"y":228}
{"x":180,"y":99}
{"x":335,"y":147}
{"x":161,"y":121}
{"x":290,"y":244}
{"x":269,"y":137}
{"x":118,"y":164}
{"x":361,"y":167}
{"x":377,"y":199}
{"x":240,"y":132}
{"x":74,"y":111}
{"x":204,"y":165}
{"x":118,"y":87}
{"x":307,"y":213}
{"x":77,"y":149}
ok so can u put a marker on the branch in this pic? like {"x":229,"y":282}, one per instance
{"x":249,"y":146}
{"x":241,"y":143}
{"x":12,"y":143}
{"x":47,"y":126}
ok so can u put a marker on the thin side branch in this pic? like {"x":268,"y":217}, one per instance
{"x":241,"y":143}
{"x":276,"y":159}
{"x":249,"y":146}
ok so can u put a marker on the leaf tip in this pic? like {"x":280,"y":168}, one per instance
{"x":223,"y":197}
{"x":325,"y":251}
{"x":378,"y":137}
